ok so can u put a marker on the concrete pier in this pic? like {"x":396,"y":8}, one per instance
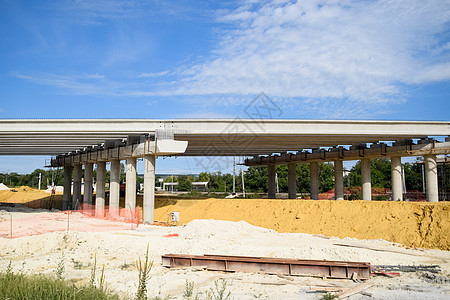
{"x":431,"y":178}
{"x":292,"y":181}
{"x":67,"y":194}
{"x":396,"y":178}
{"x":338,"y":180}
{"x":100,"y":190}
{"x":149,"y":189}
{"x":114,"y":188}
{"x":76,"y":195}
{"x":314,"y":180}
{"x":130,"y":186}
{"x":366,"y":185}
{"x":88,"y":183}
{"x":271,"y":184}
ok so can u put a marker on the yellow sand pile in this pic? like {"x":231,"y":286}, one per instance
{"x":412,"y":224}
{"x":30,"y":197}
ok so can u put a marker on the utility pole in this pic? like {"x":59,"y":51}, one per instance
{"x":39,"y":184}
{"x":423,"y":180}
{"x":234,"y":176}
{"x":403,"y":180}
{"x":276,"y":180}
{"x":243,"y":185}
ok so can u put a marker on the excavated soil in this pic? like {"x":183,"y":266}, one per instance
{"x":30,"y":197}
{"x":425,"y":225}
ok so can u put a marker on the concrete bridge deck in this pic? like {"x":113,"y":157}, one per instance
{"x":208,"y":137}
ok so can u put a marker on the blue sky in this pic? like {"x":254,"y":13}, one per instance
{"x":207,"y":59}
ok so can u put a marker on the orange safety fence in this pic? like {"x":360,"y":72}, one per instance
{"x":115,"y":214}
{"x":86,"y":219}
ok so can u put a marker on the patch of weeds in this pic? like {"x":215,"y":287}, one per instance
{"x":93,"y":269}
{"x":189,"y":289}
{"x":100,"y":283}
{"x":125,"y":266}
{"x":77,"y":265}
{"x":329,"y":296}
{"x":144,"y":269}
{"x":22,"y":270}
{"x":9,"y":271}
{"x":101,"y":280}
{"x":20,"y":286}
{"x":160,"y":298}
{"x":219,"y":292}
{"x":60,"y":268}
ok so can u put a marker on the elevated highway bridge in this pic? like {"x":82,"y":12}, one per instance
{"x":84,"y":142}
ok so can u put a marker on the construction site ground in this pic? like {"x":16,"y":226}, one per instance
{"x":382,"y":233}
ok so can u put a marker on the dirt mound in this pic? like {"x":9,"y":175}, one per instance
{"x":26,"y":188}
{"x":412,"y":224}
{"x":28,"y":196}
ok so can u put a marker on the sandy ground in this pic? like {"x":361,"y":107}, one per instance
{"x":118,"y":250}
{"x":424,"y":225}
{"x":412,"y":224}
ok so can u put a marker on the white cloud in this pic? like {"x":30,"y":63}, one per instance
{"x":90,"y":12}
{"x":79,"y":84}
{"x":154,"y":74}
{"x":356,"y":50}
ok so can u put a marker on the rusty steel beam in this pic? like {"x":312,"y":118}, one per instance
{"x":269,"y":265}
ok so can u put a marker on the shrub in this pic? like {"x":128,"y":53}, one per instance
{"x":21,"y":286}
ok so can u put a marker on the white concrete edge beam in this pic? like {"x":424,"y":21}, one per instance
{"x":329,"y":156}
{"x":157,"y":148}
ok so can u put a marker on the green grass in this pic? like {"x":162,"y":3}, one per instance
{"x":21,"y":286}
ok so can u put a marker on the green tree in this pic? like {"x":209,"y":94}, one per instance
{"x":203,"y":177}
{"x":184,"y":183}
{"x":282,"y":174}
{"x":303,"y":173}
{"x":326,"y":177}
{"x":256,"y":179}
{"x":380,"y":170}
{"x":413,"y":176}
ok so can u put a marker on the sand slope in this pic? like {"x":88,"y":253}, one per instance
{"x":410,"y":223}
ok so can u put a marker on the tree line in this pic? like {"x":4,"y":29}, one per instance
{"x":255,"y":178}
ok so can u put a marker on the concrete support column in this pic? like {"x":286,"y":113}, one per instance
{"x":76,"y":196}
{"x":292,"y":181}
{"x":338,"y":180}
{"x":271,"y":184}
{"x":149,"y":189}
{"x":314,"y":180}
{"x":67,"y":194}
{"x":431,"y":178}
{"x":366,"y":185}
{"x":100,"y":191}
{"x":114,"y":188}
{"x":88,"y":182}
{"x":396,"y":178}
{"x":130,"y":186}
